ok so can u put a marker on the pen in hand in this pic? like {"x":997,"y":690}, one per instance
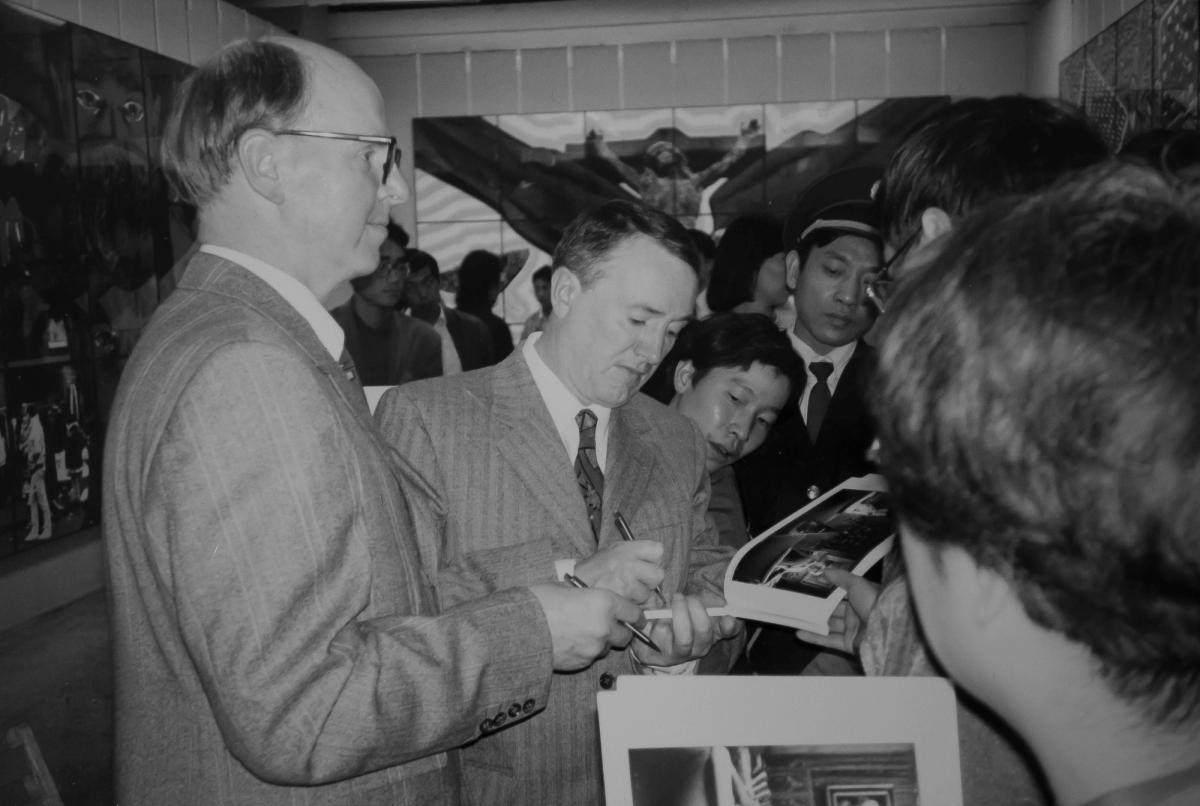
{"x":641,"y":636}
{"x":627,"y":536}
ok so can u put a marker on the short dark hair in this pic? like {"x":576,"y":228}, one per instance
{"x":979,"y":149}
{"x":245,"y":85}
{"x":1036,"y":404}
{"x":734,"y":340}
{"x":595,"y":233}
{"x":480,"y":269}
{"x":747,"y":242}
{"x":542,"y":275}
{"x":418,"y":261}
{"x":398,"y":234}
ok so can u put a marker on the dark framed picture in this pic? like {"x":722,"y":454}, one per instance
{"x":854,"y":795}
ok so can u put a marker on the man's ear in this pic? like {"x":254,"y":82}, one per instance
{"x":684,"y":372}
{"x":791,"y":266}
{"x":935,"y":222}
{"x":564,"y":287}
{"x":257,"y":158}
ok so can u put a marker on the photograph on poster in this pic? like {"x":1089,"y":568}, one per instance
{"x":776,"y":740}
{"x":723,"y":775}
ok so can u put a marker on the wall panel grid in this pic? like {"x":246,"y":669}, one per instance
{"x":761,"y":69}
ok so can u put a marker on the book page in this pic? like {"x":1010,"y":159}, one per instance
{"x":779,"y":576}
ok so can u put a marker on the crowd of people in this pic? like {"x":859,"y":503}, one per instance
{"x":316,"y":602}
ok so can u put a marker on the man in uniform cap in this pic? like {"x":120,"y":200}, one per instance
{"x":832,"y":245}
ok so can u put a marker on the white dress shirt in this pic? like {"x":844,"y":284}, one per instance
{"x":564,"y":406}
{"x":838,"y":356}
{"x":294,"y":292}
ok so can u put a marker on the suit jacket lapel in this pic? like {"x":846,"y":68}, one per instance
{"x":219,"y":276}
{"x":530,"y":445}
{"x":630,"y":464}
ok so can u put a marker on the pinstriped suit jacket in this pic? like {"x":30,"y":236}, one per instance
{"x":273,"y":576}
{"x":486,"y":442}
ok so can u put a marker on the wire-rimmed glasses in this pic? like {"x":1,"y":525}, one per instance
{"x":879,"y":285}
{"x":393,"y":150}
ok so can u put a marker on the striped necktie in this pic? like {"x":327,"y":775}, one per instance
{"x":587,"y":468}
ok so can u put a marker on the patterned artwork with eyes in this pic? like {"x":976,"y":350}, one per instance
{"x":88,"y":236}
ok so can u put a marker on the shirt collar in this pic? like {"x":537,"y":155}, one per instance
{"x":294,"y":292}
{"x":563,"y":405}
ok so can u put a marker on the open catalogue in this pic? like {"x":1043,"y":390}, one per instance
{"x":778,"y":576}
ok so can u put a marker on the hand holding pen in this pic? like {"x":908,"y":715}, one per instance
{"x":576,"y":582}
{"x":630,"y":569}
{"x":627,"y":536}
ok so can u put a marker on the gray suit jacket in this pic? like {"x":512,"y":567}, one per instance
{"x":485,"y":441}
{"x":273,"y":576}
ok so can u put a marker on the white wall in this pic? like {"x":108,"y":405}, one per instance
{"x":185,"y":30}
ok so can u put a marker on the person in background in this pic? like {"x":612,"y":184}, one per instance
{"x":731,"y":374}
{"x":749,"y":275}
{"x":541,"y":290}
{"x":707,"y":248}
{"x":466,"y":343}
{"x":1036,"y":405}
{"x":478,"y":289}
{"x":388,"y":347}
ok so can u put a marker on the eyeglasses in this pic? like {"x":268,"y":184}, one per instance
{"x":879,"y":286}
{"x":393,"y":150}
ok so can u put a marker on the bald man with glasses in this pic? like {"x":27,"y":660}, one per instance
{"x":277,"y":627}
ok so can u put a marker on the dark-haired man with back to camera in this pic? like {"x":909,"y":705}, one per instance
{"x":959,"y":159}
{"x":1037,"y":410}
{"x":388,"y":347}
{"x":277,"y":630}
{"x":536,"y":456}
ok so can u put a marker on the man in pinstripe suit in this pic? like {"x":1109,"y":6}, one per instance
{"x":506,"y":448}
{"x":277,"y":630}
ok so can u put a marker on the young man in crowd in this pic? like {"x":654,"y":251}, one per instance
{"x":962,"y":157}
{"x":832,"y":244}
{"x":388,"y":347}
{"x":1037,"y":412}
{"x":466,"y":343}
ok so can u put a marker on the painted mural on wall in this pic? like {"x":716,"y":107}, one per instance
{"x":88,"y":236}
{"x":511,"y":183}
{"x":1139,"y":73}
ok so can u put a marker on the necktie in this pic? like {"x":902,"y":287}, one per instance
{"x":347,"y":365}
{"x":587,"y":468}
{"x":818,"y":398}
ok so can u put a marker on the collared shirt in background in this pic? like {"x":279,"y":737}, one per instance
{"x":838,"y":356}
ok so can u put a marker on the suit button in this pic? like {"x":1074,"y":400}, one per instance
{"x":514,"y":711}
{"x":485,"y":726}
{"x":529,"y":706}
{"x":813,"y":492}
{"x":499,"y":719}
{"x":607,"y":681}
